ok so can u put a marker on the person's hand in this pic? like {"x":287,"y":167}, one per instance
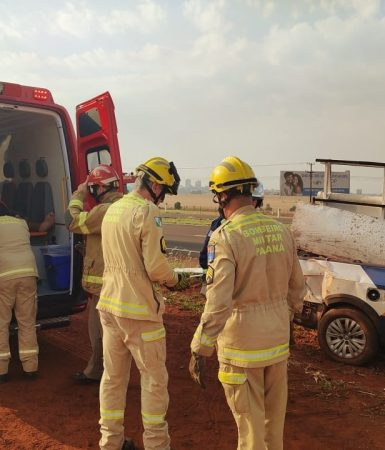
{"x":83,"y":186}
{"x":197,"y":368}
{"x":183,"y":282}
{"x":48,"y":222}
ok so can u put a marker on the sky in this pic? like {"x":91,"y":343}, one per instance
{"x":276,"y":83}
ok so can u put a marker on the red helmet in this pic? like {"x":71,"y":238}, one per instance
{"x":102,"y":175}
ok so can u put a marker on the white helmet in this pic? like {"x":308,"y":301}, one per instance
{"x":258,"y":192}
{"x":257,"y":195}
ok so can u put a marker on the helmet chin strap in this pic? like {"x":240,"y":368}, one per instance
{"x":222,"y":203}
{"x":98,"y":197}
{"x":155,"y":198}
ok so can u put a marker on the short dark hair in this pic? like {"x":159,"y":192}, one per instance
{"x":286,"y":174}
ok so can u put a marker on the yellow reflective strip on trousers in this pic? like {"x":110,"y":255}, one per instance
{"x":155,"y":335}
{"x":123,"y":307}
{"x":256,"y":355}
{"x":76,"y":202}
{"x":30,"y":270}
{"x":93,"y":279}
{"x":153,"y":419}
{"x":112,"y":414}
{"x":5,"y":355}
{"x":232,"y":377}
{"x":82,"y":218}
{"x":34,"y":351}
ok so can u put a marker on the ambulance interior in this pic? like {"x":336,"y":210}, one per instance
{"x":34,"y":181}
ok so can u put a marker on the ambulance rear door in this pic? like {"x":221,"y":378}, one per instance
{"x":97,"y":136}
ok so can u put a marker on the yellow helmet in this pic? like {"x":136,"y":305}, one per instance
{"x":232,"y":172}
{"x":160,"y":171}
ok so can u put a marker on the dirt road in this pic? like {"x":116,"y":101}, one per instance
{"x":330,"y":406}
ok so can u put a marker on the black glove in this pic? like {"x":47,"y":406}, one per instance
{"x":197,"y":369}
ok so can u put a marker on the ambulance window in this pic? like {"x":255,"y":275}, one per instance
{"x":5,"y":140}
{"x":96,"y":157}
{"x":89,"y":122}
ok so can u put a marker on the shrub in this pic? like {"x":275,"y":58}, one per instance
{"x":293,"y":208}
{"x":178,"y":205}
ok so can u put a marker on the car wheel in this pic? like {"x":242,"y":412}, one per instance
{"x":347,"y":335}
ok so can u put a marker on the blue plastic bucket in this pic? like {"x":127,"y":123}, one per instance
{"x":57,"y":260}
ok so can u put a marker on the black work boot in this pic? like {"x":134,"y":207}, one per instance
{"x":30,"y":375}
{"x":4,"y":378}
{"x":128,"y":444}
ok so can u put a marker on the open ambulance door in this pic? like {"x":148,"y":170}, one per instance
{"x":97,"y":136}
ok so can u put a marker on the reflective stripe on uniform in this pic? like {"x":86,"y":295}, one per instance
{"x":113,"y":214}
{"x":155,"y":335}
{"x":256,"y":355}
{"x":30,"y":270}
{"x":123,"y":307}
{"x":232,"y":377}
{"x":153,"y":419}
{"x":32,"y":351}
{"x":93,"y":279}
{"x":133,"y":200}
{"x":203,"y":338}
{"x":76,"y":202}
{"x":82,"y":226}
{"x":9,"y":219}
{"x":112,"y":414}
{"x":5,"y":355}
{"x":249,"y":219}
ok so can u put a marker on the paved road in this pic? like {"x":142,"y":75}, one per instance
{"x":186,"y":237}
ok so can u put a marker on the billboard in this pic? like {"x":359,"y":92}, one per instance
{"x":293,"y":183}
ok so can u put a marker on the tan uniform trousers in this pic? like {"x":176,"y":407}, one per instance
{"x":123,"y":340}
{"x":259,"y":406}
{"x":19,"y":294}
{"x":94,"y":367}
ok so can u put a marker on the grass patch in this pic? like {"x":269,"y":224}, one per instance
{"x":189,"y":300}
{"x":186,"y":221}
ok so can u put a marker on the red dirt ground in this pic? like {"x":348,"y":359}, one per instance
{"x":330,"y":406}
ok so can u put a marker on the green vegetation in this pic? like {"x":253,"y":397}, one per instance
{"x":187,"y":220}
{"x":189,"y":300}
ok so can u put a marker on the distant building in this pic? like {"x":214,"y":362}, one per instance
{"x":198,"y":184}
{"x":188,"y":185}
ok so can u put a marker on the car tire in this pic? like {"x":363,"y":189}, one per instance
{"x":347,"y":335}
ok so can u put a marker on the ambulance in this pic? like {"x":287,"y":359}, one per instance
{"x":42,"y":161}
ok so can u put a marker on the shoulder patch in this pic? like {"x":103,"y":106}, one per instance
{"x":163,"y":246}
{"x":210,"y":253}
{"x":209,"y":275}
{"x":158,"y":221}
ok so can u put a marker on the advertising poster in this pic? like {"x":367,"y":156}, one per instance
{"x":297,"y":183}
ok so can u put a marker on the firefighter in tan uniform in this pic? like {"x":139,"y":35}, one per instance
{"x":131,"y":307}
{"x":102,"y":184}
{"x":254,"y":281}
{"x":18,"y":274}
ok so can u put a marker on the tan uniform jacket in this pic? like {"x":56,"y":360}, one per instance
{"x":16,"y":257}
{"x":135,"y":260}
{"x":254,"y":280}
{"x":90,"y":224}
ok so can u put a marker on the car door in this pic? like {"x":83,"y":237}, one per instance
{"x":97,"y":136}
